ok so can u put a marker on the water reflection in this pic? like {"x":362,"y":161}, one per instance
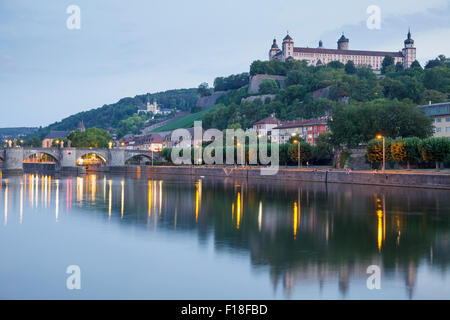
{"x":300,"y":234}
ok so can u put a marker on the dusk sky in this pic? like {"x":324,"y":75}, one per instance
{"x":126,"y":48}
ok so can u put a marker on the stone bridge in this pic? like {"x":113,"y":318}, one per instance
{"x":66,"y":158}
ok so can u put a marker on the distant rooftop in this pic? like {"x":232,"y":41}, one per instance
{"x":301,"y":123}
{"x":268,"y":120}
{"x":57,"y":134}
{"x":436,"y":109}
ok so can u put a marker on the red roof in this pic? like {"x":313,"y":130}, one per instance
{"x":149,"y":138}
{"x":302,"y":123}
{"x":269,"y":120}
{"x":348,"y":52}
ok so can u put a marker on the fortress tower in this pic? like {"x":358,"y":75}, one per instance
{"x":409,"y":51}
{"x":288,"y":47}
{"x":274,"y":50}
{"x":342,"y":43}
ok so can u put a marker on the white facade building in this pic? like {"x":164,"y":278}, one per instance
{"x":322,"y":56}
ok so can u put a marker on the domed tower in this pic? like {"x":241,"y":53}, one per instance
{"x":273,"y":50}
{"x":288,"y":47}
{"x":342,"y":43}
{"x":409,"y":51}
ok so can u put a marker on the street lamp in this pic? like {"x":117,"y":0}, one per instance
{"x":298,"y":150}
{"x":380,"y":137}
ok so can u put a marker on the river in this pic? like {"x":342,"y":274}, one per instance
{"x":172,"y":237}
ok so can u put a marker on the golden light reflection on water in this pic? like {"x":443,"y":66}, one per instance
{"x":238,"y":214}
{"x":110,"y":199}
{"x":198,"y":197}
{"x":45,"y":186}
{"x":260,"y":216}
{"x":155,"y":197}
{"x":57,"y":200}
{"x":122,"y":198}
{"x":104,"y":189}
{"x":381,"y":226}
{"x":93,"y":179}
{"x":149,"y":199}
{"x":295,"y":219}
{"x":160,"y":196}
{"x":80,"y":185}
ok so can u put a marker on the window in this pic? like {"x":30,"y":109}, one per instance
{"x":438,"y":120}
{"x":447,"y":129}
{"x":447,"y":119}
{"x":438,"y":130}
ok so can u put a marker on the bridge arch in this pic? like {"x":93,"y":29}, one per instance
{"x":147,"y":155}
{"x":102,"y":154}
{"x":30,"y":153}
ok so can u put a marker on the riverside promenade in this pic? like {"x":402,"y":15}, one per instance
{"x":419,"y":179}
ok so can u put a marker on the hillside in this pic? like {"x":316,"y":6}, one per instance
{"x":110,"y":116}
{"x":184,"y":122}
{"x":291,"y":87}
{"x":16,"y":132}
{"x":346,"y":85}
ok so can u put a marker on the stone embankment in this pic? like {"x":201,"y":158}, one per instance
{"x":399,"y":179}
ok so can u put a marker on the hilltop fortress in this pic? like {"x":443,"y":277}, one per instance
{"x":320,"y":55}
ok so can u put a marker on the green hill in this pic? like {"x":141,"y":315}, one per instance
{"x":184,"y":122}
{"x":109,"y":116}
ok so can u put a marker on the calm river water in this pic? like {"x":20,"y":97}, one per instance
{"x":137,"y":237}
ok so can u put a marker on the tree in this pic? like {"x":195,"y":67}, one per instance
{"x":435,"y":149}
{"x":375,"y":150}
{"x":268,"y":86}
{"x":204,"y":90}
{"x":234,"y":81}
{"x":416,"y":64}
{"x":440,"y":61}
{"x":322,"y":152}
{"x":398,"y":150}
{"x":437,"y":78}
{"x":434,"y":96}
{"x":350,"y":67}
{"x":336,"y":65}
{"x":399,"y":67}
{"x":294,"y":92}
{"x":387,"y":64}
{"x":358,"y":123}
{"x":305,"y":152}
{"x":92,"y":137}
{"x":413,"y":153}
{"x":33,"y":141}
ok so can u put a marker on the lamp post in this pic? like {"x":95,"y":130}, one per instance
{"x":380,"y":137}
{"x":298,"y":150}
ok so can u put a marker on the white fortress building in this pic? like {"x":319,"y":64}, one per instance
{"x":321,"y":56}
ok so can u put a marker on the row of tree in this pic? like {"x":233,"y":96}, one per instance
{"x":320,"y":154}
{"x":410,"y":150}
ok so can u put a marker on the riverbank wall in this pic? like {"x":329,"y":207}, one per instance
{"x":403,"y":179}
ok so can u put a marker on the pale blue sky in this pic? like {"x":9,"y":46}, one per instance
{"x":125,"y":48}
